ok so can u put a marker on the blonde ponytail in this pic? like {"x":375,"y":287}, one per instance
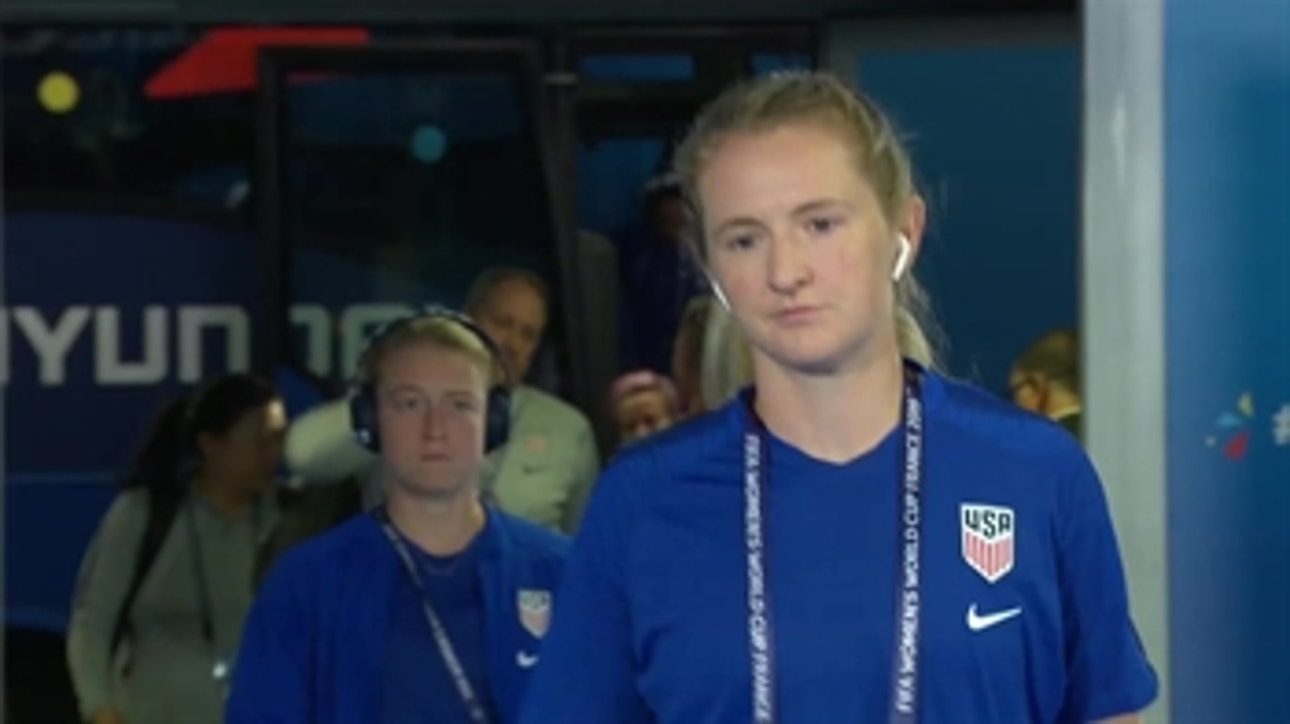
{"x":915,"y":328}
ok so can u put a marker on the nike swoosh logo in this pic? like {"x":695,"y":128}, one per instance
{"x":977,"y":622}
{"x":525,"y":660}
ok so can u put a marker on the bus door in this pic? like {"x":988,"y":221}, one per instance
{"x":390,"y":176}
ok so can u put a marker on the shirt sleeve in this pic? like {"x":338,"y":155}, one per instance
{"x":588,"y":671}
{"x":1108,"y":671}
{"x":105,"y":574}
{"x":586,"y":466}
{"x":320,"y":446}
{"x":273,"y":673}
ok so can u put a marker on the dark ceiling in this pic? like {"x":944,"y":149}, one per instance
{"x":499,"y":11}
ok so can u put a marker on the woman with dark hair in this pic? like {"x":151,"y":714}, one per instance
{"x":157,"y":461}
{"x":167,"y":581}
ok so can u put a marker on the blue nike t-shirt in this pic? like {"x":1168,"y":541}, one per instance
{"x":418,"y":683}
{"x":1024,"y":609}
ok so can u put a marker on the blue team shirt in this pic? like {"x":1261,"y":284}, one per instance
{"x":337,"y":613}
{"x":652,"y":622}
{"x":418,"y":683}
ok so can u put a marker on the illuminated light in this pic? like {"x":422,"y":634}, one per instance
{"x":428,"y":144}
{"x":58,"y":92}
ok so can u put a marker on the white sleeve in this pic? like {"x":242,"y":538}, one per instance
{"x":105,"y":574}
{"x":321,"y":447}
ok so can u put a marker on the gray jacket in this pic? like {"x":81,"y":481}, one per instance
{"x":164,"y":673}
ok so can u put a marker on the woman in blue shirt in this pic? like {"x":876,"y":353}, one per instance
{"x":856,"y":537}
{"x":433,"y":607}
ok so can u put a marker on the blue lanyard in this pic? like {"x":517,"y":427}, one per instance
{"x":904,"y":676}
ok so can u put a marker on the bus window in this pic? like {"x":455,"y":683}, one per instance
{"x":398,"y":184}
{"x":637,"y":67}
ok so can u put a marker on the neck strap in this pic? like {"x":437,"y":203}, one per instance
{"x":907,"y":586}
{"x":447,"y":652}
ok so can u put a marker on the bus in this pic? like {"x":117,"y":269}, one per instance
{"x":187,"y":194}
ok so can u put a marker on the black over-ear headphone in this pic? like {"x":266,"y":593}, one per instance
{"x":362,"y":390}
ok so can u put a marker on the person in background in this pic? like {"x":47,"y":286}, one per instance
{"x":167,"y":580}
{"x":432,"y":607}
{"x":334,"y":479}
{"x":643,"y":403}
{"x":545,"y":471}
{"x":658,"y":275}
{"x":1045,"y":380}
{"x":855,"y":537}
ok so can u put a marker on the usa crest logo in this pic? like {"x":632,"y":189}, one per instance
{"x":535,"y":611}
{"x":989,"y":539}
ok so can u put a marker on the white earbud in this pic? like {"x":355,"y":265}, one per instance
{"x":718,"y":293}
{"x":902,"y":259}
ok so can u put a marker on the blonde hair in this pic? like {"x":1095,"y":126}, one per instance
{"x":442,"y":332}
{"x":770,"y":102}
{"x":694,"y":318}
{"x":687,"y":345}
{"x":726,"y":362}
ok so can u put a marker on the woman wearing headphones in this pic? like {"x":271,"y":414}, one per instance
{"x":167,"y":580}
{"x":856,"y":537}
{"x":433,"y":607}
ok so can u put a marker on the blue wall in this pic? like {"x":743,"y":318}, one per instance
{"x":994,"y":133}
{"x":1227,"y":232}
{"x":67,"y":444}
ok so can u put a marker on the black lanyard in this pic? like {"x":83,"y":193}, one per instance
{"x":904,"y":677}
{"x":437,"y":630}
{"x":220,"y":670}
